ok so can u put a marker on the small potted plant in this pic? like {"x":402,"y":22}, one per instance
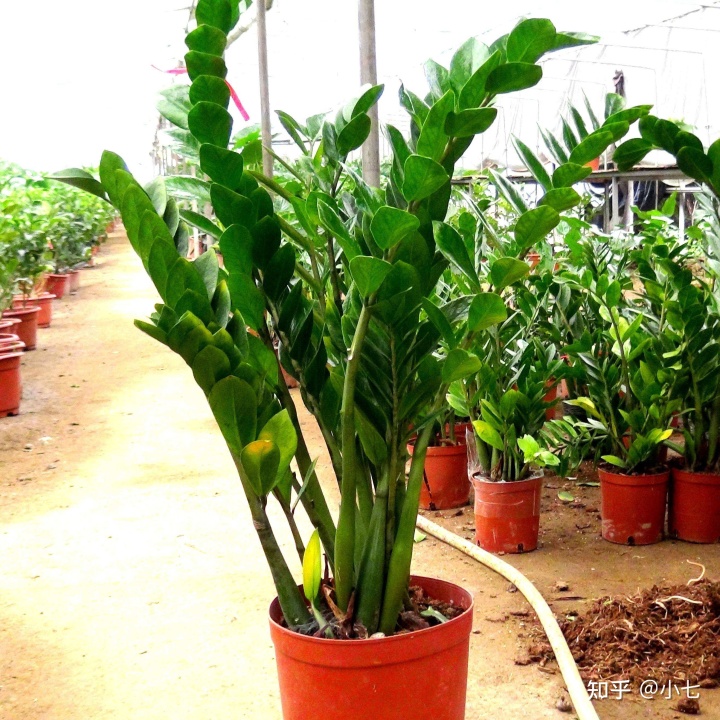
{"x":629,"y":409}
{"x":10,"y":350}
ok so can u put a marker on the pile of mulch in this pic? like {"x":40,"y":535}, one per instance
{"x":664,"y":634}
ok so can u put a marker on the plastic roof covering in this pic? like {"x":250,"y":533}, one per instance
{"x":668,"y":64}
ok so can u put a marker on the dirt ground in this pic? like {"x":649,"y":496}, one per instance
{"x":132,"y":585}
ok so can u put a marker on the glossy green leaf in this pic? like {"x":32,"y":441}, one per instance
{"x":186,"y":186}
{"x":81,"y":179}
{"x":534,"y":165}
{"x":452,"y":246}
{"x":570,"y":173}
{"x":432,"y":141}
{"x":279,"y":271}
{"x":199,"y":63}
{"x":209,"y":88}
{"x":561,"y":199}
{"x":334,"y":225}
{"x":221,"y":165}
{"x":363,"y":103}
{"x":474,"y":90}
{"x":459,"y":364}
{"x":468,"y":123}
{"x":210,"y":123}
{"x":468,"y":58}
{"x":488,"y":434}
{"x":209,"y":367}
{"x":247,"y":299}
{"x":174,"y":104}
{"x":534,"y":225}
{"x":391,"y":225}
{"x":486,"y":309}
{"x":201,"y":222}
{"x":207,"y":266}
{"x":696,"y":164}
{"x":260,"y":460}
{"x":513,"y":77}
{"x":216,"y":13}
{"x":206,"y":38}
{"x":234,"y":406}
{"x":530,"y":40}
{"x":369,"y":273}
{"x":353,"y":135}
{"x":281,"y":432}
{"x":232,"y":208}
{"x":593,"y":146}
{"x":423,"y":177}
{"x":506,"y":271}
{"x":266,"y":236}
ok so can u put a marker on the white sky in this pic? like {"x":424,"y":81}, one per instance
{"x":77,"y":74}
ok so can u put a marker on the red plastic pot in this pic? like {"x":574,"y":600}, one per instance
{"x":421,"y":674}
{"x":43,"y":301}
{"x":57,"y":284}
{"x":445,"y":482}
{"x":8,"y":324}
{"x":633,"y":507}
{"x":27,"y":329}
{"x":73,"y":281}
{"x":10,"y":343}
{"x":695,"y":506}
{"x":10,"y":384}
{"x":507,"y":514}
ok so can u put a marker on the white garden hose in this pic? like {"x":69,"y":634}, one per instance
{"x":576,"y":688}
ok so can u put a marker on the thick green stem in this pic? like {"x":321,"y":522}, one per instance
{"x":345,"y":536}
{"x":399,"y":565}
{"x":291,"y":601}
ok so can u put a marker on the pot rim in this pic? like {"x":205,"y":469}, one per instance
{"x":617,"y":478}
{"x":375,"y":643}
{"x":539,"y":474}
{"x":698,"y":477}
{"x":17,"y":312}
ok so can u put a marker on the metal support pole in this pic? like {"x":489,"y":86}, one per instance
{"x":629,"y":217}
{"x":264,"y":89}
{"x":368,"y":74}
{"x":615,"y":205}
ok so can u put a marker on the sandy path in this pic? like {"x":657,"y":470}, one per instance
{"x":132,"y":585}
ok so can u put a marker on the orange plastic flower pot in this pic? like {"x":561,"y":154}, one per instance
{"x":695,"y":506}
{"x":419,"y":675}
{"x":27,"y":329}
{"x":10,"y":384}
{"x":445,"y":482}
{"x":633,"y":507}
{"x":507,"y":514}
{"x":10,"y":343}
{"x":57,"y":284}
{"x":73,"y":281}
{"x":43,"y":301}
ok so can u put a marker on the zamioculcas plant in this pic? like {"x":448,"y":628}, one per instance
{"x":347,"y":286}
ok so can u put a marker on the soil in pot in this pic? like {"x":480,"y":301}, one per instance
{"x":694,"y":506}
{"x":633,"y":507}
{"x":57,"y":284}
{"x":43,"y":301}
{"x":507,"y":514}
{"x":10,"y":384}
{"x":412,"y":676}
{"x":445,"y":478}
{"x":27,"y":329}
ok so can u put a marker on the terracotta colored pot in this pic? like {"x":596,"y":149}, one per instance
{"x":57,"y":284}
{"x":27,"y":329}
{"x":633,"y":507}
{"x":10,"y":343}
{"x":507,"y":514}
{"x":594,"y":165}
{"x":43,"y":301}
{"x":550,"y":397}
{"x":10,"y":384}
{"x":533,"y":259}
{"x":418,"y":675}
{"x":694,"y":506}
{"x":74,"y":281}
{"x":8,"y":324}
{"x":445,"y":481}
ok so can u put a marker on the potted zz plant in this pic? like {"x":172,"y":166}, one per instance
{"x":629,"y":409}
{"x":345,"y":280}
{"x":10,"y":345}
{"x":690,"y":308}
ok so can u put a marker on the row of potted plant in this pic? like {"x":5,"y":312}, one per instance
{"x":47,"y":233}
